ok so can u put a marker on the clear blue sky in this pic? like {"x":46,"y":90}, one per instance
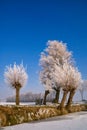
{"x":26,"y":26}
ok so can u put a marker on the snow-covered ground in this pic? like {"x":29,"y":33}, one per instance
{"x":13,"y":103}
{"x":33,"y":103}
{"x":76,"y":121}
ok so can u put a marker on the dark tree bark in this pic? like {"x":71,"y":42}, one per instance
{"x":17,"y":95}
{"x":45,"y":96}
{"x":56,"y":100}
{"x":72,"y":92}
{"x":63,"y":99}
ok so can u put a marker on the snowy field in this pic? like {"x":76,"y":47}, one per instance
{"x":13,"y":103}
{"x":76,"y":121}
{"x":33,"y":103}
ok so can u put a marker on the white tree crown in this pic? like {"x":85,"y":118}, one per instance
{"x":15,"y":74}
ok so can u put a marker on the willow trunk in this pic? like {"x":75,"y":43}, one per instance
{"x":72,"y":92}
{"x":17,"y":96}
{"x":56,"y":100}
{"x":45,"y":96}
{"x":63,"y":99}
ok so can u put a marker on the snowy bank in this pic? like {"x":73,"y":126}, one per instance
{"x":11,"y":115}
{"x":75,"y":121}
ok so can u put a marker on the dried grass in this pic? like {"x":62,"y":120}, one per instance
{"x":11,"y":115}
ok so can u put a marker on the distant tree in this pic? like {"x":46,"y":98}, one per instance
{"x":16,"y":77}
{"x":82,"y":88}
{"x":56,"y":54}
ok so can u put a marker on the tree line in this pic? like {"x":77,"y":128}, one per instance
{"x":31,"y":97}
{"x":58,"y":72}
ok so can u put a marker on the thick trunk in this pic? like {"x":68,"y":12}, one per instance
{"x":63,"y":99}
{"x":45,"y":95}
{"x":56,"y":100}
{"x":17,"y":96}
{"x":72,"y":92}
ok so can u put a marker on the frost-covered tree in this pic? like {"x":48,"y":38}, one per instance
{"x":16,"y":77}
{"x":82,"y":88}
{"x":57,"y":54}
{"x":69,"y":78}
